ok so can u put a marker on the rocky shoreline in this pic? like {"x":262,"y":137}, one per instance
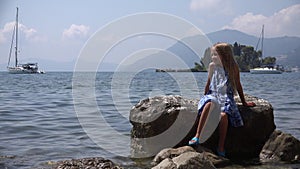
{"x":257,"y":142}
{"x":86,"y":163}
{"x":256,"y":139}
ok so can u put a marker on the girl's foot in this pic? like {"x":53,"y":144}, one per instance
{"x":221,"y":153}
{"x":194,"y":141}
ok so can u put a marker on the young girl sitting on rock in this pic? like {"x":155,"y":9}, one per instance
{"x":223,"y":81}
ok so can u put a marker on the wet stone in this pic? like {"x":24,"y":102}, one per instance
{"x":87,"y":163}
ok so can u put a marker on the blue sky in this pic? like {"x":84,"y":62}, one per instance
{"x":56,"y":30}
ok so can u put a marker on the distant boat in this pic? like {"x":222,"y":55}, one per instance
{"x":266,"y":69}
{"x":27,"y":68}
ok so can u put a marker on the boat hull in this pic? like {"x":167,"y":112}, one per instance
{"x":21,"y":70}
{"x":265,"y":71}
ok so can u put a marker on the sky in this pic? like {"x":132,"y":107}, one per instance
{"x":55,"y":31}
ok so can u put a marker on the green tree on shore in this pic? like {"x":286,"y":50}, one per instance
{"x":198,"y":67}
{"x":248,"y":58}
{"x":269,"y":61}
{"x":245,"y":56}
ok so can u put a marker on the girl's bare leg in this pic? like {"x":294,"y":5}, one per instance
{"x":223,"y":131}
{"x":202,"y":119}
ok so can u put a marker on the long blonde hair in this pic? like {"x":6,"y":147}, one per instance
{"x":230,"y":66}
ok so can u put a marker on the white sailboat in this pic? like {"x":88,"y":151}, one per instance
{"x":18,"y":68}
{"x":266,"y":69}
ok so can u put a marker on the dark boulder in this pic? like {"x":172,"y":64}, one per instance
{"x":170,"y":121}
{"x":281,"y":147}
{"x":247,"y":141}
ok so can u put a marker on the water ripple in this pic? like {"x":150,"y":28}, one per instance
{"x":38,"y":122}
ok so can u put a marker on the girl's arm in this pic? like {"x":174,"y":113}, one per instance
{"x":210,"y":72}
{"x":207,"y":86}
{"x":239,"y":89}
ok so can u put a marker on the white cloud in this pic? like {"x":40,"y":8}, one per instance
{"x":209,"y":8}
{"x":196,"y":5}
{"x":76,"y":31}
{"x":30,"y":33}
{"x":248,"y":23}
{"x":8,"y":28}
{"x":286,"y":22}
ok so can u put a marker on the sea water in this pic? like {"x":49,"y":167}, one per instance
{"x":40,"y":122}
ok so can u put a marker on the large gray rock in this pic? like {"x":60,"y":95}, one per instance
{"x":281,"y":147}
{"x":186,"y":160}
{"x":193,"y":160}
{"x":169,"y":153}
{"x":170,"y":156}
{"x":170,"y":121}
{"x":160,"y":122}
{"x":166,"y":164}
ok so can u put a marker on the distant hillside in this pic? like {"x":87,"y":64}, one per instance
{"x":177,"y":56}
{"x":285,"y":49}
{"x":231,"y":36}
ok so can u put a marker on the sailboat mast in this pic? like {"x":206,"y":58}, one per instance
{"x":16,"y":50}
{"x":262,"y":40}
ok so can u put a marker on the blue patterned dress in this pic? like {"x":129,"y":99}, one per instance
{"x":222,"y":93}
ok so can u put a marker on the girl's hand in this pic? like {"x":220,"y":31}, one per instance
{"x":249,"y":104}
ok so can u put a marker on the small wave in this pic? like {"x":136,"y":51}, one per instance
{"x":294,"y":103}
{"x":68,"y":87}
